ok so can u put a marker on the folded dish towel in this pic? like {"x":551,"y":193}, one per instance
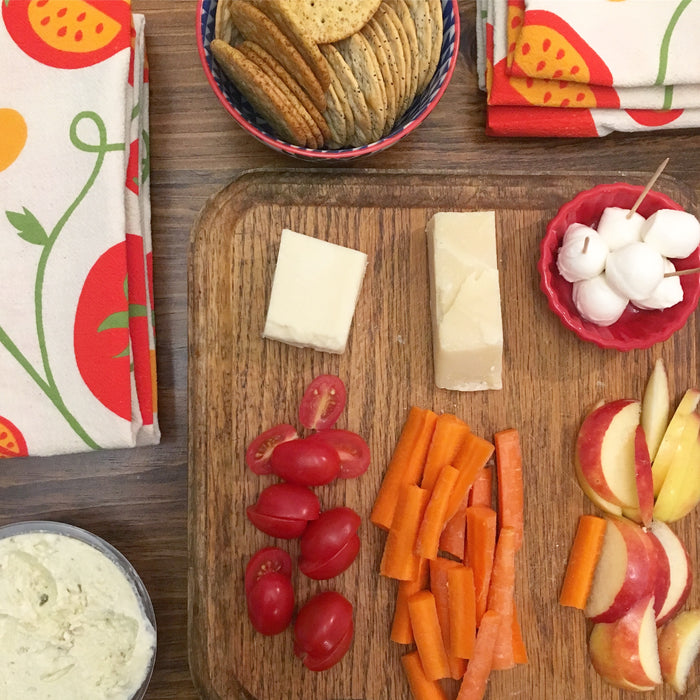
{"x":611,"y":67}
{"x":77,"y":345}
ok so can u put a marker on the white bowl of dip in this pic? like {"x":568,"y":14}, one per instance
{"x":76,"y":621}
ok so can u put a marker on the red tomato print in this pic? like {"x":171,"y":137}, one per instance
{"x":12,"y":442}
{"x":654,"y":117}
{"x":68,"y":33}
{"x":132,"y":167}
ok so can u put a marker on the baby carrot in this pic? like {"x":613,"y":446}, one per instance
{"x":500,"y":598}
{"x":473,"y":685}
{"x":481,"y":491}
{"x":421,"y":687}
{"x":583,"y":559}
{"x":509,"y":465}
{"x":448,"y":437}
{"x":462,"y":607}
{"x":399,"y":559}
{"x":426,"y":630}
{"x":479,"y":552}
{"x":428,"y":540}
{"x":401,"y":631}
{"x":406,"y":465}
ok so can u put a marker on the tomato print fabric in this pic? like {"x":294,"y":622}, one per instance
{"x":562,"y":68}
{"x":77,"y":335}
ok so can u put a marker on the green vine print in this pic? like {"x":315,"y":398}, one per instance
{"x":663,"y":52}
{"x":30,"y":230}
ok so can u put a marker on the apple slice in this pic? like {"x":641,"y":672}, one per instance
{"x":679,"y":644}
{"x":605,"y":459}
{"x":655,"y":407}
{"x":643,"y":477}
{"x":672,"y":436}
{"x":673,"y":557}
{"x":626,"y":571}
{"x":625,"y":652}
{"x":680,"y":491}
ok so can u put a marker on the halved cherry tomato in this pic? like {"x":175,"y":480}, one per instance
{"x":323,"y":630}
{"x":330,"y":544}
{"x":305,"y":462}
{"x":265,"y":561}
{"x":283,"y":510}
{"x":257,"y":456}
{"x":323,"y":402}
{"x":351,"y":448}
{"x":270,"y":603}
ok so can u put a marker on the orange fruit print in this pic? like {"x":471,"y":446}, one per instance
{"x":68,"y":33}
{"x":12,"y":442}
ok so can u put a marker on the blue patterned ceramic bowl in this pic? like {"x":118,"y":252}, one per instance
{"x":239,"y":108}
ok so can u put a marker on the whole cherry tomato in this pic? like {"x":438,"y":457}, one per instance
{"x":271,"y":603}
{"x":305,"y":462}
{"x":323,"y":402}
{"x":283,"y":510}
{"x":257,"y":456}
{"x":323,"y":630}
{"x":352,"y":450}
{"x":330,"y":544}
{"x":266,"y":561}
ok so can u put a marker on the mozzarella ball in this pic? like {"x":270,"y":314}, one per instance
{"x":667,"y":293}
{"x":597,"y":301}
{"x":635,"y":270}
{"x":572,"y":262}
{"x":617,"y":230}
{"x":675,"y":234}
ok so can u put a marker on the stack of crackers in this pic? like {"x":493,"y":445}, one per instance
{"x":329,"y":74}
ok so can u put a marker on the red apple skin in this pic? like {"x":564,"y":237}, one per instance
{"x":663,"y":576}
{"x":625,"y":652}
{"x":643,"y":477}
{"x":679,"y":643}
{"x":608,"y":605}
{"x":680,"y":572}
{"x":589,"y":444}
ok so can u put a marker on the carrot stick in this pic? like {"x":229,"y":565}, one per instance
{"x":479,"y":552}
{"x":399,"y":559}
{"x":500,"y":597}
{"x":519,"y":650}
{"x":452,"y":537}
{"x":462,"y":607}
{"x":439,"y":587}
{"x":473,"y":685}
{"x":448,"y":437}
{"x":428,"y":539}
{"x":583,"y":559}
{"x":426,"y":629}
{"x":401,"y":631}
{"x":406,"y":465}
{"x":421,"y":687}
{"x":509,"y":464}
{"x":472,"y":456}
{"x":481,"y":491}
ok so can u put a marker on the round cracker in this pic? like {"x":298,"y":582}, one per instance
{"x":259,"y":90}
{"x":297,"y":34}
{"x":436,"y":30}
{"x":328,"y":21}
{"x":345,"y":105}
{"x":314,"y":137}
{"x":335,"y":117}
{"x":255,"y":25}
{"x":359,"y":57}
{"x":380,"y":46}
{"x":420,"y":11}
{"x":393,"y":49}
{"x":354,"y":96}
{"x":404,"y":18}
{"x":274,"y":65}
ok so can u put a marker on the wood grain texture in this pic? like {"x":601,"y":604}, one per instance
{"x":241,"y":384}
{"x":137,"y":499}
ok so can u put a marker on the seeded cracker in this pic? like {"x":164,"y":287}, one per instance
{"x":258,"y":27}
{"x":258,"y":89}
{"x":393,"y":52}
{"x":295,"y":88}
{"x":387,"y":18}
{"x":345,"y":105}
{"x":420,"y":12}
{"x":298,"y":36}
{"x":335,"y":117}
{"x":379,"y":45}
{"x":436,"y":30}
{"x":404,"y":16}
{"x":328,"y":21}
{"x":314,"y":138}
{"x":355,"y":98}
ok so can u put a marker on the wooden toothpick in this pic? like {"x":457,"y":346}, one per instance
{"x":645,"y":191}
{"x":680,"y":273}
{"x":584,"y":250}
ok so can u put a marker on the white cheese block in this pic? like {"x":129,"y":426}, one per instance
{"x":465,"y":300}
{"x":314,"y":292}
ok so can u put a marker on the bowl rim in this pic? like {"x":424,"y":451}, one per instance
{"x":338,"y":154}
{"x":588,"y":331}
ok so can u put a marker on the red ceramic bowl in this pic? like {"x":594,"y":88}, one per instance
{"x":636,"y":328}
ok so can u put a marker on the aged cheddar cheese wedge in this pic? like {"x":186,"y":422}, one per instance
{"x":465,"y":300}
{"x":314,"y":292}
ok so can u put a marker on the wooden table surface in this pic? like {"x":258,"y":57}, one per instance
{"x":137,"y":499}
